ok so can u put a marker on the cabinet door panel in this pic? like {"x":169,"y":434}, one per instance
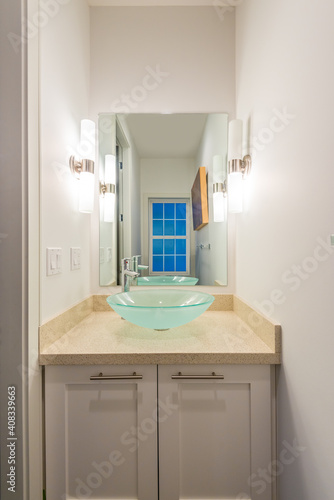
{"x":217,"y":435}
{"x":214,"y":445}
{"x":101,"y":435}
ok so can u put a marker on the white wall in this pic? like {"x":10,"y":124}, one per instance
{"x":211,"y":263}
{"x":191,"y":47}
{"x":166,"y":175}
{"x":284,"y":66}
{"x":64,"y":101}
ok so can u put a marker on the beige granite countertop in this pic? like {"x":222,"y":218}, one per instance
{"x":100,"y":336}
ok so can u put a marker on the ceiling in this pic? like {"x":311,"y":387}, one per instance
{"x":150,"y":3}
{"x":167,"y":136}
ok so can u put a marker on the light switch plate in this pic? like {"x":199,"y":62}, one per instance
{"x":75,"y":256}
{"x":332,"y":240}
{"x":108,"y":254}
{"x":53,"y":261}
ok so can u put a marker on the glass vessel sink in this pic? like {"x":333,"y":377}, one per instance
{"x":166,"y":280}
{"x":160,"y":309}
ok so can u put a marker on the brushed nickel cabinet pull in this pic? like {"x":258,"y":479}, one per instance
{"x":213,"y":376}
{"x":100,"y":376}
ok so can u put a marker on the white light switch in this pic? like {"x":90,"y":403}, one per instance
{"x":75,"y":256}
{"x":53,"y":261}
{"x":108,"y":254}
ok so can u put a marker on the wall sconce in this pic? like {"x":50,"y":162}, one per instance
{"x":238,"y":166}
{"x":219,"y":189}
{"x":84,"y":170}
{"x":108,"y":188}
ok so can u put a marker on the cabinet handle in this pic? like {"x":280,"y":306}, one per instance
{"x":213,"y":376}
{"x":100,"y":376}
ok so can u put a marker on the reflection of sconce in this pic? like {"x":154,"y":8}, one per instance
{"x":219,"y":189}
{"x":238,"y":167}
{"x":84,"y":170}
{"x":108,"y":188}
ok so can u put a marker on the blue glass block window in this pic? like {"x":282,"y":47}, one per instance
{"x":158,"y":247}
{"x":181,"y":263}
{"x":169,"y":246}
{"x":169,"y":235}
{"x":169,"y":264}
{"x":169,"y":210}
{"x":181,"y":246}
{"x":158,"y":263}
{"x":158,"y":211}
{"x":158,"y":228}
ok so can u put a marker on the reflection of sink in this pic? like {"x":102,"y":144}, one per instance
{"x":167,"y":280}
{"x":160,"y":309}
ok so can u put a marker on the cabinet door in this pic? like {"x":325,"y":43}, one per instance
{"x":214,"y":434}
{"x":101,"y":435}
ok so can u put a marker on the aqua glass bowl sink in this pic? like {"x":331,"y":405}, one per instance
{"x":166,"y":280}
{"x":160,"y":309}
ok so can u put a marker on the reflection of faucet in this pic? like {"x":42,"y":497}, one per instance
{"x":137,"y":267}
{"x":127,"y":274}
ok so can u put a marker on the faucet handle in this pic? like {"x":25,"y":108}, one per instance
{"x":125,"y":262}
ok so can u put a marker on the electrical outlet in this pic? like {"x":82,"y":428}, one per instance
{"x":53,"y":261}
{"x":75,"y":255}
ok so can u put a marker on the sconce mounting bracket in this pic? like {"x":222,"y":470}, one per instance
{"x":244,"y":166}
{"x":77,"y":167}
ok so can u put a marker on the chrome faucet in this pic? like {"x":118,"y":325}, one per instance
{"x":136,"y":267}
{"x":127,"y":274}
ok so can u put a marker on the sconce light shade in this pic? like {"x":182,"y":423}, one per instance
{"x":86,"y":197}
{"x":109,"y":207}
{"x":235,"y":140}
{"x":83,"y":169}
{"x":218,"y":206}
{"x":108,"y":188}
{"x":219,"y":189}
{"x":235,"y":192}
{"x":110,"y":169}
{"x":238,"y":167}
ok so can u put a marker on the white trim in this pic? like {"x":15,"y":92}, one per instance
{"x":34,"y":434}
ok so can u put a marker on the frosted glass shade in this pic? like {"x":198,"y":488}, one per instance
{"x":235,"y":140}
{"x":235,"y":192}
{"x":218,"y":173}
{"x":110,"y":169}
{"x":109,"y":207}
{"x":86,"y":196}
{"x":218,"y":207}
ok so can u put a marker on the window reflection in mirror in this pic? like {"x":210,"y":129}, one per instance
{"x":157,"y":160}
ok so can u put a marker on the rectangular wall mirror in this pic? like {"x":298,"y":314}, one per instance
{"x":147,"y":167}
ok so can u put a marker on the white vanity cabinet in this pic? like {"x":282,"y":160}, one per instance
{"x":101,"y":435}
{"x":198,"y":431}
{"x":218,"y":436}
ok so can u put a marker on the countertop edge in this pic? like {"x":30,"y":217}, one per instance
{"x":160,"y":359}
